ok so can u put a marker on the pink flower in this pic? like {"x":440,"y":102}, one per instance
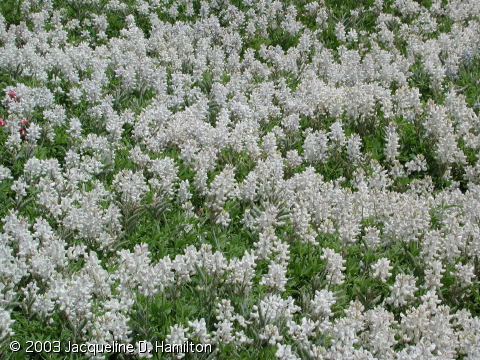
{"x":3,"y":123}
{"x":23,"y":130}
{"x":13,"y":95}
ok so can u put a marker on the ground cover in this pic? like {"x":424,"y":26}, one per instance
{"x":274,"y":179}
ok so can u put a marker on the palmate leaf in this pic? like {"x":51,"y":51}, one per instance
{"x":131,"y":218}
{"x":21,"y":203}
{"x":141,"y":325}
{"x":159,"y":207}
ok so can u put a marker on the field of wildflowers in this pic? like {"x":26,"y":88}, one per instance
{"x":274,"y":179}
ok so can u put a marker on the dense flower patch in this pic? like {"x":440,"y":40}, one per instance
{"x":280,"y":180}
